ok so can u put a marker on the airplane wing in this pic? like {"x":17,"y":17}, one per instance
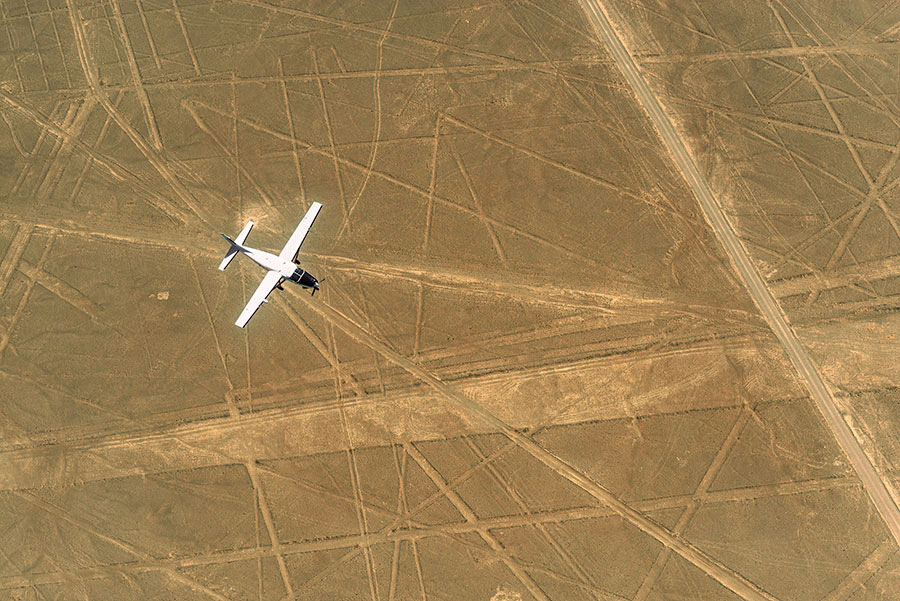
{"x":293,"y":244}
{"x":259,"y":297}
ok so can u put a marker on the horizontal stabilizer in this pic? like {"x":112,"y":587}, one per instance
{"x":235,"y":245}
{"x":244,"y":233}
{"x":228,"y":257}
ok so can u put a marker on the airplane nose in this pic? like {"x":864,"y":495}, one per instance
{"x":307,"y":280}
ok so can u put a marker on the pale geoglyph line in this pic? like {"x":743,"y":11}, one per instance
{"x":332,"y":145}
{"x":135,"y":72}
{"x":376,"y":138}
{"x":652,"y":577}
{"x":261,"y":506}
{"x":876,"y":488}
{"x":400,"y":466}
{"x":466,"y":511}
{"x":144,"y":559}
{"x":857,"y":578}
{"x":187,"y":40}
{"x":295,"y":154}
{"x":724,"y":575}
{"x":878,"y":269}
{"x":506,"y":485}
{"x":14,"y":254}
{"x":479,"y":207}
{"x":418,"y":531}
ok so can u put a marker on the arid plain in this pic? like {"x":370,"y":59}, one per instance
{"x":532,"y":372}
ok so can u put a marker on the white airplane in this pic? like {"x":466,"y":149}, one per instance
{"x":281,"y":267}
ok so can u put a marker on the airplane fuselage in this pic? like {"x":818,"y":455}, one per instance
{"x":287,"y":269}
{"x":278,"y":267}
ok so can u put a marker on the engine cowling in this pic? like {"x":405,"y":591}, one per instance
{"x":304,"y":278}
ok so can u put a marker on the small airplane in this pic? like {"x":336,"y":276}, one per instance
{"x":281,"y":267}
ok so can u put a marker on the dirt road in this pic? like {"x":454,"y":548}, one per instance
{"x":762,"y":296}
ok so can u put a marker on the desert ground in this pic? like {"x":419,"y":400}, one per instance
{"x":533,"y":371}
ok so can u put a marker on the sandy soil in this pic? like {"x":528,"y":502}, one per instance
{"x":531,"y":372}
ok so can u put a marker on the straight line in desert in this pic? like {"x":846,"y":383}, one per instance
{"x":540,"y":67}
{"x":61,"y":289}
{"x":30,"y":156}
{"x":210,"y":420}
{"x":423,"y":531}
{"x":109,"y":166}
{"x":836,"y":91}
{"x":865,"y":49}
{"x":766,"y":119}
{"x":14,"y":254}
{"x":377,"y":32}
{"x":869,"y":271}
{"x":656,"y":570}
{"x":876,"y":488}
{"x":727,"y":577}
{"x":157,"y":160}
{"x":343,"y":161}
{"x":143,"y":557}
{"x":466,"y":511}
{"x":544,"y":68}
{"x":73,"y":122}
{"x":856,"y":579}
{"x":620,"y":299}
{"x":878,"y":269}
{"x":136,"y":75}
{"x":566,"y":556}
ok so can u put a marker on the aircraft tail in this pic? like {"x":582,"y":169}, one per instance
{"x":235,"y":245}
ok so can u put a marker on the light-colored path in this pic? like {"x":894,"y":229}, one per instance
{"x":762,"y":296}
